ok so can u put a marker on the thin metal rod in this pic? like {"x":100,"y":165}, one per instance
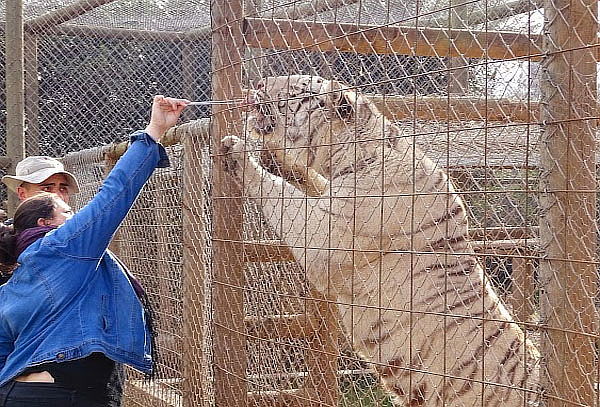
{"x":216,"y":102}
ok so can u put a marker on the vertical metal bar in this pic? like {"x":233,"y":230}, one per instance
{"x":227,"y":203}
{"x":15,"y":99}
{"x":568,"y":232}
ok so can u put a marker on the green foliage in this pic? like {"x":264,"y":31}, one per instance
{"x":364,"y":391}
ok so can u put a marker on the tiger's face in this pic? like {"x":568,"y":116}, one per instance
{"x":294,"y":116}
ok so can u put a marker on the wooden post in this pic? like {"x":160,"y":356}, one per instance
{"x":188,"y":77}
{"x":523,"y":288}
{"x":227,"y":203}
{"x":254,"y":61}
{"x":458,"y":75}
{"x":15,"y":98}
{"x":167,"y":186}
{"x":195,"y":269}
{"x":321,"y":386}
{"x":32,"y":96}
{"x":568,"y":231}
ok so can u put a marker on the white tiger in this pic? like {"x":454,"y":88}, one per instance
{"x":388,"y":236}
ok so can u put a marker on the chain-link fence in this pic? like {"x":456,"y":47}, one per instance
{"x":346,"y":274}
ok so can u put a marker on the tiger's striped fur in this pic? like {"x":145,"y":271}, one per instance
{"x":412,"y":295}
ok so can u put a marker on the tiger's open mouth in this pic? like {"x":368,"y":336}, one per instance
{"x":262,"y":116}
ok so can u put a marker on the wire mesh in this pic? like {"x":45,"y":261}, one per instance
{"x":264,"y":300}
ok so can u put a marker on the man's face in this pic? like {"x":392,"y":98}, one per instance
{"x":56,"y":184}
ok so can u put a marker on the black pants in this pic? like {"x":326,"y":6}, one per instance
{"x":30,"y":394}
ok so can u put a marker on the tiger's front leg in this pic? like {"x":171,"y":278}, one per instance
{"x":256,"y":181}
{"x":283,"y":205}
{"x":244,"y":168}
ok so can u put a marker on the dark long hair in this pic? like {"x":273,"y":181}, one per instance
{"x":27,"y":214}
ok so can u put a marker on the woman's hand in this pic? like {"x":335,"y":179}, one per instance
{"x":165,"y":113}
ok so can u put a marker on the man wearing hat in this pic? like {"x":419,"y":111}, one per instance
{"x":41,"y":174}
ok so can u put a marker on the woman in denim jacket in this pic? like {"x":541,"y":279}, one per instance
{"x":70,"y":312}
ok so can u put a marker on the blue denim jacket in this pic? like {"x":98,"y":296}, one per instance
{"x":69,"y":297}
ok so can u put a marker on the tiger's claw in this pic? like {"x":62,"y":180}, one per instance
{"x":233,"y":148}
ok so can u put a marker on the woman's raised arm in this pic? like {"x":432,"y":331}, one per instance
{"x":88,"y":233}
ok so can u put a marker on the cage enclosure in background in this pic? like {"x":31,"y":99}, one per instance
{"x":499,"y":95}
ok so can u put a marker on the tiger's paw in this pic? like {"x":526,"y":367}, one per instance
{"x":233,"y":148}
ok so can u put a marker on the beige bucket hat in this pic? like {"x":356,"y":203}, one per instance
{"x":36,"y":169}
